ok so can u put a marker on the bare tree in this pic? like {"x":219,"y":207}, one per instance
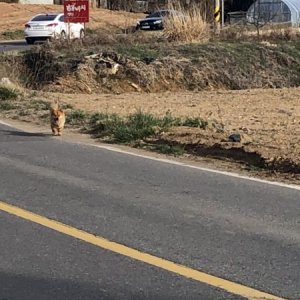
{"x":263,"y":13}
{"x":126,"y":5}
{"x":131,"y":5}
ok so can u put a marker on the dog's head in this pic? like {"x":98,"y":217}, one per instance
{"x":57,"y":115}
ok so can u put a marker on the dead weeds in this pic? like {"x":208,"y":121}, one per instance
{"x":160,"y":67}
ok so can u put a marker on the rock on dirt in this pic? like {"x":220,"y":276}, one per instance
{"x":235,"y":137}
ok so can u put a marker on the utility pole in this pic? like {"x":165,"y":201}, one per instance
{"x":223,"y":14}
{"x":217,"y":16}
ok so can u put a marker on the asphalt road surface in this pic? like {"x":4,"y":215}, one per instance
{"x":244,"y":231}
{"x":13,"y":45}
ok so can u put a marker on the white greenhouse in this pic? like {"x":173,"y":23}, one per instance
{"x":275,"y":11}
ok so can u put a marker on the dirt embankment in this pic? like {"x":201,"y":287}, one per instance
{"x":149,"y":68}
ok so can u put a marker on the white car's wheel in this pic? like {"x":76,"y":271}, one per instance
{"x":30,"y":41}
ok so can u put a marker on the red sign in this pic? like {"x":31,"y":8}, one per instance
{"x":76,"y":11}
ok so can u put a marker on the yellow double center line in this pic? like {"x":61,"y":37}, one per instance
{"x":170,"y":266}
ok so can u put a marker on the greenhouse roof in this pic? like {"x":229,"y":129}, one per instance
{"x":292,"y":4}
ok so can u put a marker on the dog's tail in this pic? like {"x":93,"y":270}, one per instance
{"x":54,"y":105}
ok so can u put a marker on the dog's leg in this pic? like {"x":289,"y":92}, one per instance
{"x":54,"y":130}
{"x":59,"y":131}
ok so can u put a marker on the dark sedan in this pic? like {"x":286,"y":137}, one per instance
{"x":154,"y":21}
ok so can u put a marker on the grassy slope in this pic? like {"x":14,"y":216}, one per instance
{"x":160,"y":66}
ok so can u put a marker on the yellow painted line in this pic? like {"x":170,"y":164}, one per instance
{"x":229,"y":286}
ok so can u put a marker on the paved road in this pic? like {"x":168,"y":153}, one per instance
{"x":13,"y":45}
{"x":244,"y":231}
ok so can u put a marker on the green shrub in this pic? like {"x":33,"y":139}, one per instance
{"x":104,"y":125}
{"x":8,"y":93}
{"x":195,"y":122}
{"x":76,"y":117}
{"x":168,"y":121}
{"x":137,"y":126}
{"x":168,"y":149}
{"x":6,"y":106}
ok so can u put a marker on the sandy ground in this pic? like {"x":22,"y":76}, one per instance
{"x":14,"y":16}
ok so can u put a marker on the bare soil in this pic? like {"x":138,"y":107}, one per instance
{"x":268,"y":120}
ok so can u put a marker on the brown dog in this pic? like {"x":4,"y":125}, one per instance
{"x":57,"y":119}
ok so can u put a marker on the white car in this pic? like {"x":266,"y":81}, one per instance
{"x":52,"y":25}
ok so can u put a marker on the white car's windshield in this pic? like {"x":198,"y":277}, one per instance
{"x":44,"y":18}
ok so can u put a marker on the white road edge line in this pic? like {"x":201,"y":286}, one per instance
{"x":168,"y":161}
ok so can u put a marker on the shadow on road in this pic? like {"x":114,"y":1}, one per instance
{"x":24,"y":134}
{"x":20,"y":287}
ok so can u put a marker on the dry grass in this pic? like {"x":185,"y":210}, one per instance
{"x":269,"y":33}
{"x":77,"y":66}
{"x":188,"y":25}
{"x":11,"y":67}
{"x":280,"y":34}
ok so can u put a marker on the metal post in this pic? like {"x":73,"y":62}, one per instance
{"x":223,"y":14}
{"x":217,"y":15}
{"x":69,"y":31}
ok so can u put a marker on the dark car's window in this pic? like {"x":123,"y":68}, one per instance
{"x":156,"y":14}
{"x":62,"y":19}
{"x":165,"y":13}
{"x":44,"y":18}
